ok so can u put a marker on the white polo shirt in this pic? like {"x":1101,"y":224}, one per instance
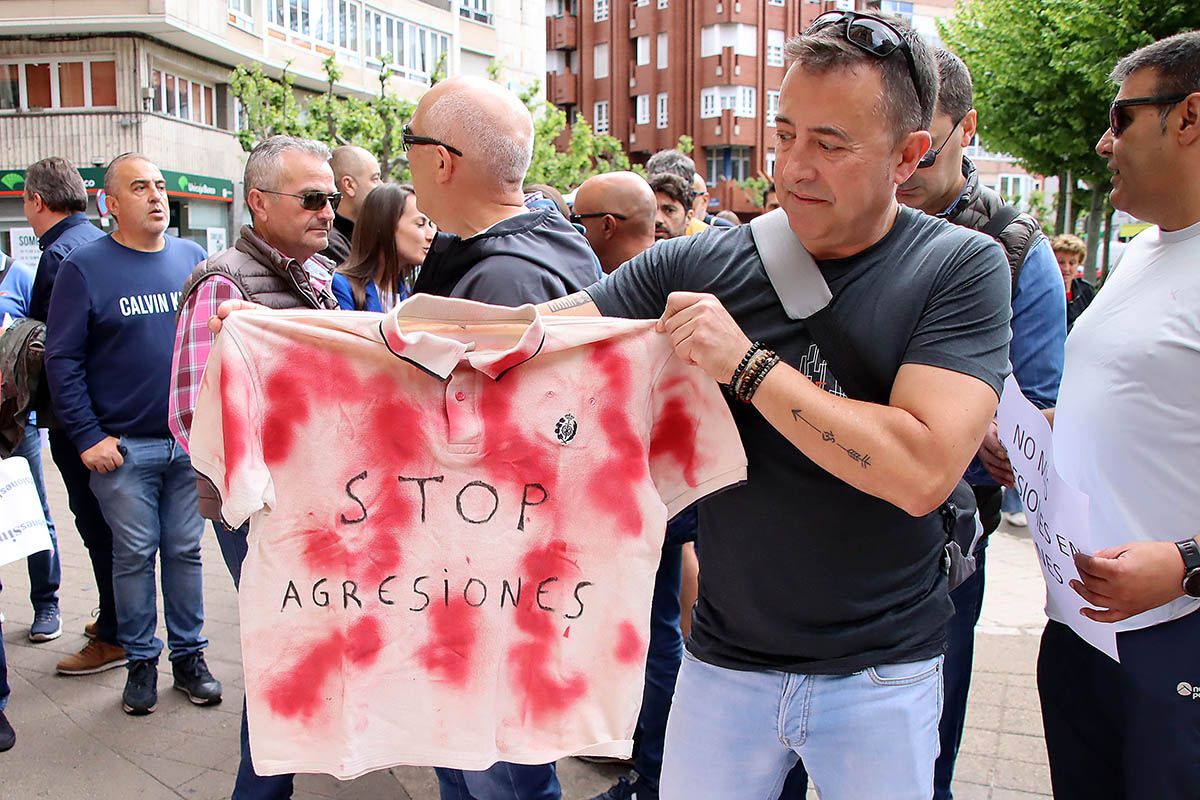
{"x":457,"y":512}
{"x":1125,"y":430}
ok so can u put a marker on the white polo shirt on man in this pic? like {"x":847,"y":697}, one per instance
{"x":457,"y":514}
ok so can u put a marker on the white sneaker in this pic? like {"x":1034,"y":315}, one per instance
{"x":1017,"y":519}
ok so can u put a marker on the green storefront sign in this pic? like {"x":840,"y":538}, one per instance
{"x":179,"y":184}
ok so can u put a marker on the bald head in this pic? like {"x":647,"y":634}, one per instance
{"x":610,"y":196}
{"x":355,"y":172}
{"x":483,"y":119}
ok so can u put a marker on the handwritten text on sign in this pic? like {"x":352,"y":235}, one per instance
{"x":1058,"y":513}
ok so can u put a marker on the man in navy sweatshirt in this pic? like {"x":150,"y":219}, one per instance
{"x":110,"y":333}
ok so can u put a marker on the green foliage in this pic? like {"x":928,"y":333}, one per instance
{"x":270,"y":106}
{"x":755,"y":189}
{"x":685,"y":144}
{"x":1040,"y":69}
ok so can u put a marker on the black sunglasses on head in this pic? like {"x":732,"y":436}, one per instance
{"x":869,"y":33}
{"x":408,"y":139}
{"x":314,"y":200}
{"x":930,"y":157}
{"x":1119,"y":118}
{"x":580,"y":217}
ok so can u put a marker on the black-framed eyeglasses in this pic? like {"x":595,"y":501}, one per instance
{"x":580,"y":217}
{"x":1119,"y":118}
{"x":870,"y":33}
{"x":314,"y":200}
{"x":408,"y":139}
{"x":930,"y":157}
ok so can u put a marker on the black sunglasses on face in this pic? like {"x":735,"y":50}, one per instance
{"x":408,"y":139}
{"x":580,"y":217}
{"x":869,"y":33}
{"x":312,"y":201}
{"x":1119,"y":118}
{"x":930,"y":157}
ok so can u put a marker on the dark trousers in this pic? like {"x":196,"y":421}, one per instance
{"x":45,"y":570}
{"x":248,"y":785}
{"x":1123,"y":731}
{"x":93,"y":529}
{"x":4,"y":688}
{"x":960,"y":657}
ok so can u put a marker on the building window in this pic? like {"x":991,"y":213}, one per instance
{"x":413,"y":50}
{"x":728,"y":163}
{"x":642,"y":48}
{"x":477,"y":10}
{"x":774,"y":48}
{"x":243,"y":7}
{"x":660,"y":104}
{"x":902,"y":9}
{"x":642,"y":104}
{"x":770,"y":163}
{"x":741,"y":100}
{"x":772,"y":106}
{"x":661,"y":46}
{"x":643,"y":2}
{"x":710,"y":103}
{"x":1015,"y":189}
{"x":747,"y":102}
{"x":600,"y":114}
{"x":600,"y":60}
{"x":179,"y":97}
{"x":776,"y":2}
{"x":742,"y":38}
{"x":662,"y":3}
{"x":599,"y":10}
{"x":330,"y":22}
{"x":58,"y":83}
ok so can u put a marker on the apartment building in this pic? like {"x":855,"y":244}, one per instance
{"x":89,"y":79}
{"x":649,"y":71}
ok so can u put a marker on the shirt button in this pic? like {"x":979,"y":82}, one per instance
{"x":460,"y":396}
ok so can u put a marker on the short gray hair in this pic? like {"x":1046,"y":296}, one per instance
{"x":908,"y":98}
{"x":262,"y":167}
{"x":58,"y":183}
{"x":673,"y":162}
{"x":1175,"y":59}
{"x":456,"y":116}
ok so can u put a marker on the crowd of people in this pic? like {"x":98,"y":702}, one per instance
{"x":802,"y":626}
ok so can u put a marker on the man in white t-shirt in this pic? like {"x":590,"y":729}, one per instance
{"x":1125,"y":434}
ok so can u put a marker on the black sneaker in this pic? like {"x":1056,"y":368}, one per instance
{"x":629,"y":787}
{"x":141,"y":687}
{"x":193,"y":679}
{"x":8,"y":737}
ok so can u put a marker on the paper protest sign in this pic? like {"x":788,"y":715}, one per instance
{"x":23,"y":530}
{"x":1057,"y":512}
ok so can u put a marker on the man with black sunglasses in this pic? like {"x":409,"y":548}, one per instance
{"x":616,"y":210}
{"x":946,"y":185}
{"x":819,"y":628}
{"x":1125,"y":434}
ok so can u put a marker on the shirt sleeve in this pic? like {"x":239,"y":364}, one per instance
{"x":1039,"y":327}
{"x":340,"y":285}
{"x":43,"y":282}
{"x":638,"y":288}
{"x":226,"y":435}
{"x":964,"y":326}
{"x":67,"y":326}
{"x":695,"y":447}
{"x":193,"y":340}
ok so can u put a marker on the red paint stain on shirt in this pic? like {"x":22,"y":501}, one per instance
{"x":451,"y":645}
{"x":617,"y":477}
{"x":533,"y":662}
{"x":236,"y":404}
{"x":674,"y":436}
{"x":630,"y":647}
{"x":306,"y":688}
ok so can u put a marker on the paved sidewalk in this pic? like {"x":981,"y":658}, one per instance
{"x":73,"y":741}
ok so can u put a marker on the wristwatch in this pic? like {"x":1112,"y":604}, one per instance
{"x":1191,"y":566}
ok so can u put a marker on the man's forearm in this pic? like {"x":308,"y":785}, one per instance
{"x":882,"y":450}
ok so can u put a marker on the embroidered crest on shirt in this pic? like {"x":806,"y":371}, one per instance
{"x":566,"y":428}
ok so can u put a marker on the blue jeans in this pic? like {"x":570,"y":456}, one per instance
{"x":45,"y":571}
{"x":150,"y":504}
{"x":737,"y":733}
{"x":1011,"y":503}
{"x":248,"y":785}
{"x":501,"y":781}
{"x":92,"y":527}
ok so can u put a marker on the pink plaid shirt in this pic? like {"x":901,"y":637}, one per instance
{"x":193,"y":341}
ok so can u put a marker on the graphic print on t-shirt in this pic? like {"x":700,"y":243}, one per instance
{"x":456,"y":518}
{"x":816,"y":369}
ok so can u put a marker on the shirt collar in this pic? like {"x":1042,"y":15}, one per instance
{"x":59,"y":228}
{"x":439,"y":355}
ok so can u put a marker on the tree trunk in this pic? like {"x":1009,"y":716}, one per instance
{"x":1093,"y":233}
{"x":1060,"y":217}
{"x":1102,"y":272}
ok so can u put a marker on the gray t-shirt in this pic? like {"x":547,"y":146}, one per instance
{"x":800,"y":571}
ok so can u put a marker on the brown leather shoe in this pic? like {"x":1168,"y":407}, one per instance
{"x":89,"y":630}
{"x":96,"y":656}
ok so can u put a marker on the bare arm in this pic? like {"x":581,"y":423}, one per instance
{"x":575,"y":305}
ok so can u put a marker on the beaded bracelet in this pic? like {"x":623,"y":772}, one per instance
{"x":748,"y":393}
{"x":737,"y":373}
{"x":751,"y":372}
